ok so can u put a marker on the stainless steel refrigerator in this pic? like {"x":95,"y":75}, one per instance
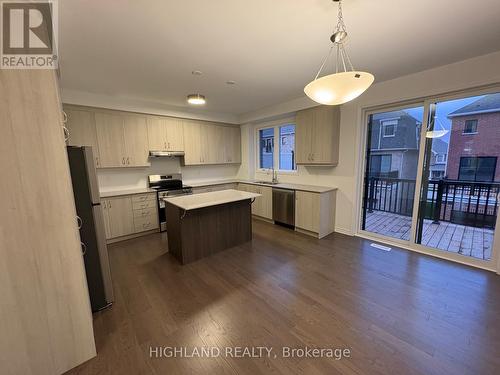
{"x":91,"y":221}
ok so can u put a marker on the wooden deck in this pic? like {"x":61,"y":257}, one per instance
{"x":461,"y":239}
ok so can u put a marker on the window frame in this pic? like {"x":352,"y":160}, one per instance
{"x":276,"y":125}
{"x":465,"y":125}
{"x":476,"y":167}
{"x":386,"y":123}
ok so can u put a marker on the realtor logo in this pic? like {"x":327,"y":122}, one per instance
{"x":28,"y":34}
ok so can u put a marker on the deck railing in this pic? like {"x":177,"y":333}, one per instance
{"x":460,"y":202}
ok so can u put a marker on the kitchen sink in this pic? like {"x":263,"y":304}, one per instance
{"x":267,"y":182}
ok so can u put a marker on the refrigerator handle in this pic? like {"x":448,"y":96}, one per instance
{"x":79,"y":222}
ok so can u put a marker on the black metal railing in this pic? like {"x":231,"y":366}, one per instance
{"x":459,"y":202}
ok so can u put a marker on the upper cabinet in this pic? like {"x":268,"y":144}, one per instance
{"x":317,"y":136}
{"x":82,"y":131}
{"x":165,"y":134}
{"x":210,"y":143}
{"x":123,"y":139}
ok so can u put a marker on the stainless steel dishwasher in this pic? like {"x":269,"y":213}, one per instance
{"x":284,"y":206}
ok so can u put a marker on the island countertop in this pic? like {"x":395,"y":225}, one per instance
{"x":192,"y":202}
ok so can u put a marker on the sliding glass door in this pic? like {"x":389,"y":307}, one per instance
{"x":460,"y":188}
{"x":433,"y":182}
{"x":392,"y":153}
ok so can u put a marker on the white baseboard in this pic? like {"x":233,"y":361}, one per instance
{"x":345,"y":231}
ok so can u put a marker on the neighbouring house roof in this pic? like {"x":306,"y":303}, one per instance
{"x":487,"y":104}
{"x":439,"y":146}
{"x":392,"y":115}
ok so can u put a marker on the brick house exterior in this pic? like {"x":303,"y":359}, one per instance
{"x":485,"y":142}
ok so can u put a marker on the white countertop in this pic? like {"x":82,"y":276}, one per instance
{"x":117,"y":193}
{"x":214,"y":198}
{"x":284,"y":185}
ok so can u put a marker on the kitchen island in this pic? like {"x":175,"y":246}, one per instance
{"x":200,"y":225}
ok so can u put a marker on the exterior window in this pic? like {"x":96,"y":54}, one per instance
{"x":389,"y":128}
{"x":287,"y":148}
{"x":470,"y":127}
{"x":284,"y":157}
{"x":441,"y":158}
{"x":266,"y":148}
{"x":477,"y":169}
{"x":380,"y":165}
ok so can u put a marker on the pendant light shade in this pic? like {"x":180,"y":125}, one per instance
{"x":339,"y":88}
{"x":344,"y":85}
{"x":436,"y":133}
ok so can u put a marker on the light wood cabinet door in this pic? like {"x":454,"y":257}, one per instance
{"x":82,"y":130}
{"x":157,"y":133}
{"x":325,"y":135}
{"x":304,"y":124}
{"x":136,"y":141}
{"x":266,"y":202}
{"x":307,"y":211}
{"x":110,"y":139}
{"x":174,"y":134}
{"x":105,"y":216}
{"x":192,"y":143}
{"x":232,"y":144}
{"x":220,"y":142}
{"x":121,"y":217}
{"x":209,"y":143}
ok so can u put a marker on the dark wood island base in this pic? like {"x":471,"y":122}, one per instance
{"x":198,"y":233}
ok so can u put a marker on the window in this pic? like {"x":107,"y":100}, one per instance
{"x":470,"y":127}
{"x":287,"y":148}
{"x":284,"y":158}
{"x":380,"y":165}
{"x":266,"y":148}
{"x":441,"y":158}
{"x":389,"y":128}
{"x":477,"y":169}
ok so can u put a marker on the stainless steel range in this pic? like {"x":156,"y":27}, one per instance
{"x":167,"y":186}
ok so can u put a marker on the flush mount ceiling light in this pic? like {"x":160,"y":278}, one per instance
{"x":346,"y":83}
{"x":196,"y":99}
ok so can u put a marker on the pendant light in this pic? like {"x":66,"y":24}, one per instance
{"x":346,"y":83}
{"x":436,"y":133}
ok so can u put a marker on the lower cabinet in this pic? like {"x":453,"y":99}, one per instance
{"x":263,"y":206}
{"x":315,"y":213}
{"x":127,"y":215}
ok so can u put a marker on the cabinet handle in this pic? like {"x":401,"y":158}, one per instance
{"x":66,"y":133}
{"x":65,"y":117}
{"x":97,"y":160}
{"x":84,"y":248}
{"x":123,"y":161}
{"x":79,"y":222}
{"x":109,"y":204}
{"x":128,"y":161}
{"x":168,"y":145}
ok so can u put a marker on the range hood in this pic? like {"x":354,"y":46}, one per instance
{"x":165,"y":154}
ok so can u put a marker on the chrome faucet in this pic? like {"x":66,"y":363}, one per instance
{"x":275,"y":175}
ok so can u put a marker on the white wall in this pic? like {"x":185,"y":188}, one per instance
{"x":480,"y":71}
{"x":131,"y":178}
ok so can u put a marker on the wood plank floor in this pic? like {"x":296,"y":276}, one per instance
{"x":461,"y":239}
{"x":398,"y":312}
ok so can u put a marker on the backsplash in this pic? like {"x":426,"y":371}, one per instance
{"x":132,"y":178}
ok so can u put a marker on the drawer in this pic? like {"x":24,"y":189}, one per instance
{"x":145,"y":212}
{"x":143,"y":197}
{"x":142,"y":224}
{"x":144,"y":205}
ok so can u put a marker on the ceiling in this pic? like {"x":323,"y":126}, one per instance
{"x":146,"y":50}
